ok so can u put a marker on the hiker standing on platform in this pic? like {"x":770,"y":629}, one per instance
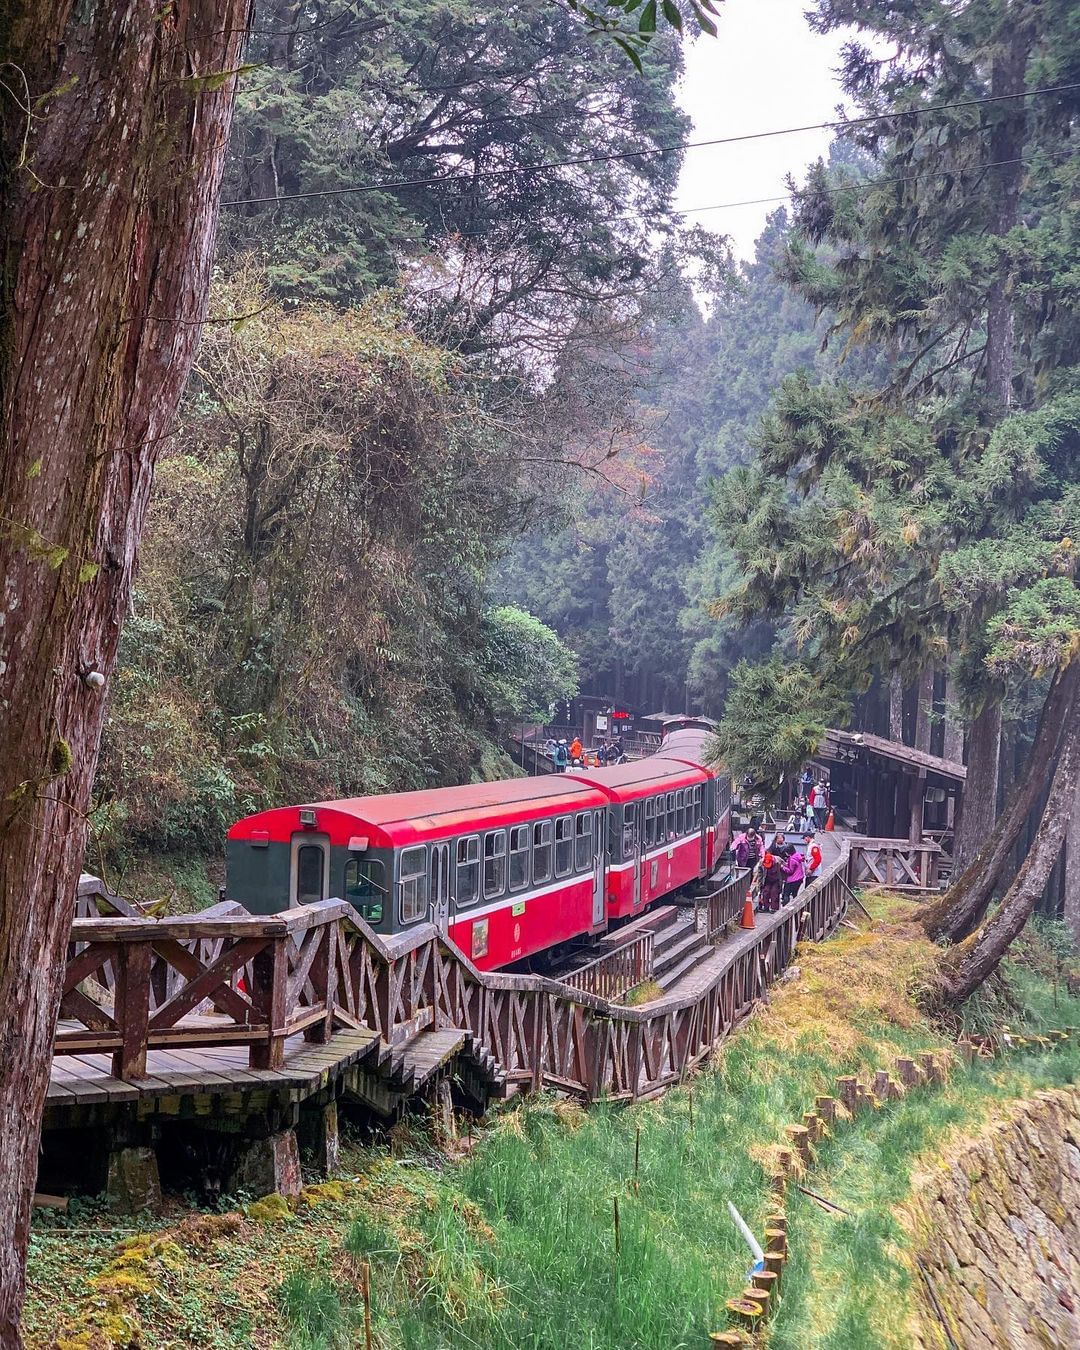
{"x":772,"y":881}
{"x":812,"y":866}
{"x":794,"y":875}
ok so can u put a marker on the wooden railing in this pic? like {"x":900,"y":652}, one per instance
{"x":895,"y":864}
{"x":617,"y":972}
{"x":724,"y":904}
{"x":226,"y":977}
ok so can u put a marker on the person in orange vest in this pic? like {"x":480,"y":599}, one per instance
{"x":575,"y":748}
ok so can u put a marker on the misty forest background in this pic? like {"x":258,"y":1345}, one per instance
{"x":454,"y":450}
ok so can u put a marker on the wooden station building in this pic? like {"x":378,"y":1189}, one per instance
{"x":889,"y":790}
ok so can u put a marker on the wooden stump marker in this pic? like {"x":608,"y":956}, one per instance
{"x":826,"y":1109}
{"x":759,"y":1296}
{"x":800,"y":1140}
{"x":847,"y":1091}
{"x":744,"y":1312}
{"x":775,"y":1241}
{"x":774,"y":1264}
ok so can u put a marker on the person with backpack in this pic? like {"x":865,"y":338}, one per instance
{"x":561,"y":757}
{"x":748,"y":848}
{"x":772,"y":881}
{"x":820,"y":804}
{"x":794,"y":875}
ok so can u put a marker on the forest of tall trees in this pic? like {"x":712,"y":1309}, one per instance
{"x":475,"y":420}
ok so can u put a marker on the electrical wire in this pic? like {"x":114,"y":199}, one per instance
{"x":392,"y":185}
{"x":861,"y":185}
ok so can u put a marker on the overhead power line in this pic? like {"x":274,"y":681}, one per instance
{"x":853,"y":185}
{"x":395,"y":184}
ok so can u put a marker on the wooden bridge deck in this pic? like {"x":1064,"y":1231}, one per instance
{"x":208,"y":1070}
{"x":201,"y":1014}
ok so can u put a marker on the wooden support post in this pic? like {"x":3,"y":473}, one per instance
{"x":931,"y":1068}
{"x":270,"y":977}
{"x":910,"y":1073}
{"x":728,"y":1338}
{"x":759,"y":1296}
{"x":777,"y":1221}
{"x":815,"y":1126}
{"x":775,"y":1241}
{"x":132,"y":1008}
{"x":785,"y":1162}
{"x":826,"y":1109}
{"x":864,"y":1098}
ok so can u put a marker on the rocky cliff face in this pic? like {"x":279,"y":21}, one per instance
{"x":999,"y":1232}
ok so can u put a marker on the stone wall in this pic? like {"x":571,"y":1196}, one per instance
{"x":999,"y":1234}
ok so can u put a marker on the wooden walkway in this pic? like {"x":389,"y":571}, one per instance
{"x":207,"y":1014}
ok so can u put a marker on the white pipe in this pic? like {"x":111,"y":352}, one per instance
{"x":748,"y":1237}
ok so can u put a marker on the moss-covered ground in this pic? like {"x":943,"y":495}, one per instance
{"x":512,"y":1242}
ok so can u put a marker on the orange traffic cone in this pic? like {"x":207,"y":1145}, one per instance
{"x":748,"y":912}
{"x":830,"y":823}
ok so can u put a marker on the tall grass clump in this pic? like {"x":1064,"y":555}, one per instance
{"x":518,"y":1246}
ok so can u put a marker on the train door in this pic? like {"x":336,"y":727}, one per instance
{"x":635,"y":847}
{"x":440,"y":886}
{"x":598,"y":879}
{"x":309,"y":868}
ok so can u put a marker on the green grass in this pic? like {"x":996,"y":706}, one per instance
{"x":513,"y":1245}
{"x":517,"y":1246}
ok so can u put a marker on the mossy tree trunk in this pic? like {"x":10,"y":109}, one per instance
{"x":961,"y":910}
{"x":968,"y":965}
{"x":115,"y":118}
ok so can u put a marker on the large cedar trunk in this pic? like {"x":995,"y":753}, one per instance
{"x":979,"y":809}
{"x":968,"y":966}
{"x":961,"y":910}
{"x":110,"y":177}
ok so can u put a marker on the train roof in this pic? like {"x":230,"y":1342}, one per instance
{"x":642,"y":777}
{"x":685,"y":743}
{"x":400,"y":818}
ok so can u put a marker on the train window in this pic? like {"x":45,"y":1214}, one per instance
{"x":494,"y":864}
{"x":697,"y":809}
{"x":467,"y":887}
{"x":628,"y":834}
{"x":583,"y":847}
{"x":671,"y":815}
{"x":519,"y":857}
{"x":650,"y":823}
{"x":684,"y":811}
{"x":414,"y":879}
{"x":365,"y":887}
{"x":541,"y":851}
{"x":564,"y":846}
{"x":310,"y":863}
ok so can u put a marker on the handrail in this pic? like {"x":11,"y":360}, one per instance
{"x":616,"y":972}
{"x":255,"y":980}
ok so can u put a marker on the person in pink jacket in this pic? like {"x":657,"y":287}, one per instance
{"x":794,"y":874}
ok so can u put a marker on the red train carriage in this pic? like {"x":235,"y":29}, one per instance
{"x":657,"y":829}
{"x":685,"y":739}
{"x":506,"y":869}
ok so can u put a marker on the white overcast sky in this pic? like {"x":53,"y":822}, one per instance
{"x":765,"y":70}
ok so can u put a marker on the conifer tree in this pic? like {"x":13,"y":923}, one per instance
{"x":933,"y":517}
